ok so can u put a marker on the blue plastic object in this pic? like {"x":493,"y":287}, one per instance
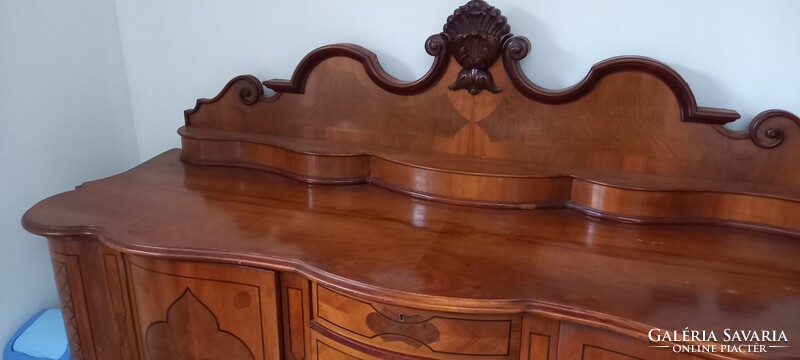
{"x":41,"y":337}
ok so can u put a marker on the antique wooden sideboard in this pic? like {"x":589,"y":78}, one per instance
{"x":470,"y":214}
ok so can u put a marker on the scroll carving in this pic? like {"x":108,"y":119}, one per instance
{"x":476,"y":33}
{"x":248,"y":86}
{"x":769,"y":136}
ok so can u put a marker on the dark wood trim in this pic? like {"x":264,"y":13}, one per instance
{"x":518,"y":47}
{"x":436,"y":46}
{"x":761,"y":134}
{"x":250,"y":92}
{"x":476,"y":32}
{"x":769,"y":137}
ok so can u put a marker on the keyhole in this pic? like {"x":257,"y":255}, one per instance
{"x":402,"y":317}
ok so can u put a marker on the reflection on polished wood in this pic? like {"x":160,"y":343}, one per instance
{"x":624,"y":196}
{"x":470,"y":214}
{"x":383,"y":246}
{"x":619,"y":151}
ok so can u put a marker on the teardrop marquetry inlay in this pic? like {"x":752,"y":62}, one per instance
{"x":192,"y":332}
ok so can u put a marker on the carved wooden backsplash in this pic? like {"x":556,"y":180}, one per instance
{"x":630,"y":130}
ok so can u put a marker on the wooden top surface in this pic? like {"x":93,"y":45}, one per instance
{"x":376,"y":243}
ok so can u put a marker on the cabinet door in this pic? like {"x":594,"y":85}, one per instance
{"x":187,"y":310}
{"x":578,"y":342}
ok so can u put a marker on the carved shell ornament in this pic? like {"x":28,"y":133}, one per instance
{"x":476,"y":33}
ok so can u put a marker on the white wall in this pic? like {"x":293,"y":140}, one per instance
{"x":64,"y":118}
{"x":739,"y":54}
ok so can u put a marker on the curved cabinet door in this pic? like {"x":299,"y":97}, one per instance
{"x":577,"y":342}
{"x":187,"y":310}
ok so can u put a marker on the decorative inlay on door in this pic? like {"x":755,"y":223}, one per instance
{"x":63,"y":267}
{"x":190,"y":321}
{"x":204,"y":311}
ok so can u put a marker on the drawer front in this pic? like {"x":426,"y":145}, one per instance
{"x":325,"y":348}
{"x":418,"y":332}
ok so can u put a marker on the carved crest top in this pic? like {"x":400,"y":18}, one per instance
{"x":476,"y":33}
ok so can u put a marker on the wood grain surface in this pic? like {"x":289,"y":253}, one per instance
{"x":187,"y":310}
{"x":383,"y":246}
{"x":622,"y":195}
{"x":467,"y":214}
{"x":628,"y":120}
{"x":434,"y":335}
{"x":627,"y":143}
